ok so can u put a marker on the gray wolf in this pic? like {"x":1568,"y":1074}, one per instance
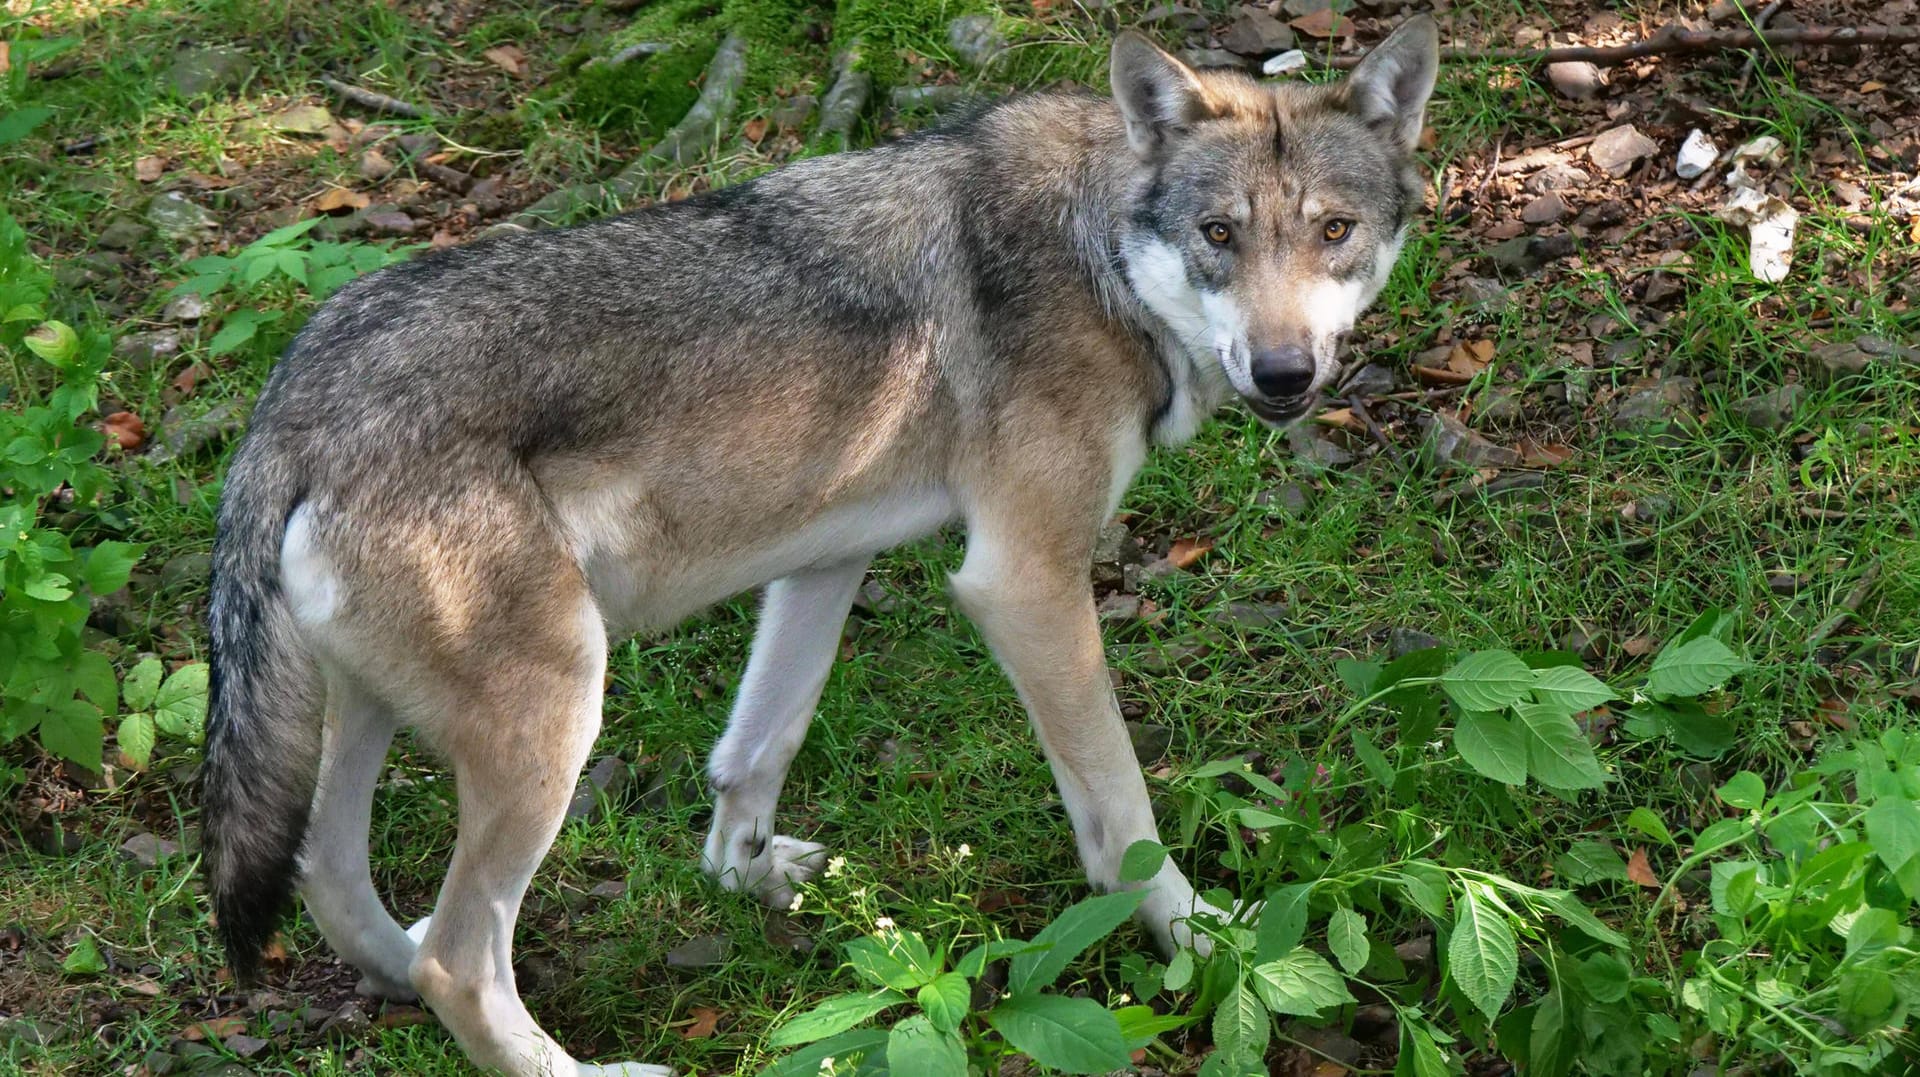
{"x":469,"y":469}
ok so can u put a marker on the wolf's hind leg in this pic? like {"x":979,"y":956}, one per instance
{"x":793,"y":649}
{"x":334,"y":879}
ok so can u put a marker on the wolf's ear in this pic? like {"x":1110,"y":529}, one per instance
{"x":1389,"y":88}
{"x":1158,"y":95}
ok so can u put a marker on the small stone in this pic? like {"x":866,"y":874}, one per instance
{"x":976,"y":40}
{"x":1576,"y":80}
{"x":795,"y":112}
{"x":418,"y":144}
{"x":1403,"y":641}
{"x":374,"y":166}
{"x":1784,"y":584}
{"x":784,"y":933}
{"x":311,"y":120}
{"x":186,"y":307}
{"x":347,"y":1024}
{"x":701,"y":951}
{"x":610,"y":890}
{"x":1317,"y":447}
{"x":197,"y":72}
{"x":1524,"y":255}
{"x":1557,"y":177}
{"x":1498,"y":405}
{"x":147,"y":850}
{"x":1202,"y":59}
{"x":1662,"y":286}
{"x":1415,"y":952}
{"x":1118,"y":607}
{"x":1485,"y":295}
{"x":1372,"y":380}
{"x":1549,"y":208}
{"x":1256,"y":33}
{"x":1618,"y":149}
{"x":1452,"y":443}
{"x":29,"y":1032}
{"x":158,"y":1063}
{"x":1649,"y":509}
{"x":179,"y":217}
{"x":1247,"y":615}
{"x":1769,"y":410}
{"x":1300,"y":9}
{"x":144,"y":351}
{"x":1697,"y":154}
{"x":1657,"y":408}
{"x":1582,"y":641}
{"x":1602,"y":215}
{"x":601,"y":785}
{"x":1178,"y":16}
{"x":1150,"y":742}
{"x":244,"y":1045}
{"x":123,"y":234}
{"x":184,"y":570}
{"x":936,"y":98}
{"x":389,"y":221}
{"x":873,"y":597}
{"x":183,"y":435}
{"x":1290,"y":498}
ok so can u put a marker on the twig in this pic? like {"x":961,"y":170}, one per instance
{"x":1849,"y":606}
{"x":1753,"y":58}
{"x":1677,"y":39}
{"x":1359,"y":407}
{"x":451,"y":178}
{"x":367,"y":99}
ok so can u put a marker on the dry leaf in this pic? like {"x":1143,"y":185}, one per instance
{"x":1639,"y":871}
{"x":185,"y":382}
{"x":1323,"y":23}
{"x":1534,"y":454}
{"x":1638,"y":647}
{"x":704,"y":1020}
{"x":1344,"y":418}
{"x":1869,"y":86}
{"x":148,"y":169}
{"x":1834,"y":713}
{"x":274,"y":952}
{"x":203,"y":181}
{"x":1439,"y":375}
{"x":338,"y":201}
{"x":402,"y":1017}
{"x":124,"y":429}
{"x":1188,"y":550}
{"x":755,"y":129}
{"x":1470,"y":357}
{"x":140,"y":985}
{"x":508,"y":58}
{"x":217,"y":1029}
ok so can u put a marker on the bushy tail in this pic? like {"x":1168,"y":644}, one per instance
{"x":263,"y":719}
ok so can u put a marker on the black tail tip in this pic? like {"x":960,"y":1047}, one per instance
{"x":247,"y":916}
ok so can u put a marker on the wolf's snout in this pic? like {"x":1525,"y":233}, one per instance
{"x":1282,"y":372}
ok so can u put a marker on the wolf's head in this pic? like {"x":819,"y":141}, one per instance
{"x":1273,"y":214}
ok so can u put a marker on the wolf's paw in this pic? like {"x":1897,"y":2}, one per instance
{"x":624,"y":1069}
{"x":376,"y":986}
{"x":787,"y":863}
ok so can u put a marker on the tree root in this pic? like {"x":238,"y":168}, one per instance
{"x":844,"y":103}
{"x":1676,"y":39}
{"x":368,"y":99}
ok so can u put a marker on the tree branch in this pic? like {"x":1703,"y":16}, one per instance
{"x":1677,"y":39}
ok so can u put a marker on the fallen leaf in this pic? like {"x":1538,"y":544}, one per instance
{"x":203,"y":181}
{"x":217,"y":1029}
{"x":1534,"y":454}
{"x":140,"y":985}
{"x":1639,"y":871}
{"x":755,"y":129}
{"x":339,"y":200}
{"x":1869,"y":86}
{"x":508,"y":58}
{"x":124,"y":429}
{"x":994,"y":900}
{"x":1638,"y":647}
{"x":274,"y":952}
{"x":402,"y":1017}
{"x":704,"y":1020}
{"x":1323,"y":23}
{"x":1470,"y":357}
{"x":148,"y":169}
{"x":1344,"y":418}
{"x":1439,"y":375}
{"x":185,"y":382}
{"x":1834,"y":713}
{"x":1188,"y":550}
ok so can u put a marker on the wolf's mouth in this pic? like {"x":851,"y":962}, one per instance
{"x":1279,"y":412}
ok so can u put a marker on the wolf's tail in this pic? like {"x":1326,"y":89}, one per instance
{"x":263,"y":716}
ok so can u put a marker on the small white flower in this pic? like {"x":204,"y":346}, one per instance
{"x":836,"y":865}
{"x":885,"y":923}
{"x":964,"y":851}
{"x":826,"y":1064}
{"x":1125,"y":998}
{"x":794,"y":905}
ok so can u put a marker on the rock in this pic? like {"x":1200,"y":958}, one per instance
{"x":793,"y":113}
{"x":1602,"y":214}
{"x":1657,"y":408}
{"x":1290,"y":498}
{"x":1371,"y":380}
{"x":611,"y":890}
{"x":158,"y":1063}
{"x":1769,"y":410}
{"x":1257,"y":33}
{"x":1697,"y":154}
{"x":1452,"y":443}
{"x":783,"y":932}
{"x":1150,"y":742}
{"x":1618,"y":149}
{"x":1113,"y":550}
{"x":244,"y":1045}
{"x":701,"y":951}
{"x":179,"y":217}
{"x":1118,"y":607}
{"x":200,"y":71}
{"x":349,"y":1023}
{"x":1576,"y":80}
{"x":671,"y":784}
{"x":144,"y":351}
{"x":185,"y":570}
{"x":1557,"y":177}
{"x":601,"y":785}
{"x":1300,"y":9}
{"x":1205,"y":58}
{"x":374,"y":166}
{"x":1549,"y":208}
{"x":311,"y":120}
{"x":1403,"y":641}
{"x":1784,"y":584}
{"x":873,"y":597}
{"x":1843,"y":357}
{"x":388,"y":221}
{"x":29,"y":1032}
{"x":1525,"y":255}
{"x":1662,"y":286}
{"x":123,"y":234}
{"x":1485,"y":295}
{"x":1178,"y":16}
{"x":1317,"y":447}
{"x":976,"y":40}
{"x":181,"y":435}
{"x":186,"y":307}
{"x":1246,"y":615}
{"x":1498,"y":405}
{"x":147,"y":850}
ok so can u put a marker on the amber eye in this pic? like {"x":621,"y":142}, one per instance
{"x":1217,"y":234}
{"x":1337,"y":230}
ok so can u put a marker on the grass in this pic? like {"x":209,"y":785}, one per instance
{"x":920,"y":748}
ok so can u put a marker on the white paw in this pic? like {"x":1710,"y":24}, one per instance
{"x":624,"y":1069}
{"x":786,"y":864}
{"x":372,"y":986}
{"x":418,"y":932}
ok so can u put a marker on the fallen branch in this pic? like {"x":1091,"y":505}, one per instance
{"x":368,"y":99}
{"x":688,"y":138}
{"x":844,"y":103}
{"x":1679,"y":39}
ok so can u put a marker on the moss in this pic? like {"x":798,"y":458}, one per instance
{"x":493,"y":130}
{"x":644,"y":96}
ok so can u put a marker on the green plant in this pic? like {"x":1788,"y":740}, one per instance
{"x":53,"y":685}
{"x":282,"y":259}
{"x":176,"y":706}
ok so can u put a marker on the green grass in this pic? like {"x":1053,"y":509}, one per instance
{"x":920,"y":747}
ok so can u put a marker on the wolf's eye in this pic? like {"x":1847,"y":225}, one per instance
{"x":1217,"y":234}
{"x":1337,"y":230}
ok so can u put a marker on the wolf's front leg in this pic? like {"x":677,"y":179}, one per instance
{"x":1035,"y":607}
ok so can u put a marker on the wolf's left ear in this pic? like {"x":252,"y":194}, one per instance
{"x":1159,"y":96}
{"x":1391,"y":85}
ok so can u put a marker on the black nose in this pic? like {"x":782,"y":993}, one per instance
{"x":1282,"y":372}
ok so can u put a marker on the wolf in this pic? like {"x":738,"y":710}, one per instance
{"x":468,"y":470}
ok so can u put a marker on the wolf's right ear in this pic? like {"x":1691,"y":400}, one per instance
{"x":1158,"y":95}
{"x":1390,"y":86}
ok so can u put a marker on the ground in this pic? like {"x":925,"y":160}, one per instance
{"x":1576,"y":421}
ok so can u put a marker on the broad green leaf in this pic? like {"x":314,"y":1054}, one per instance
{"x":974,"y":962}
{"x":877,"y":961}
{"x":93,"y":675}
{"x":1488,"y":680}
{"x":1347,"y":938}
{"x":834,"y":1016}
{"x":1283,"y":920}
{"x":1547,"y":1039}
{"x":1074,"y":1035}
{"x":72,"y":730}
{"x":1301,"y":984}
{"x":1605,"y":977}
{"x":866,"y":1043}
{"x":916,"y":1047}
{"x":946,"y":1000}
{"x":1587,"y":862}
{"x":180,"y":707}
{"x":135,"y":738}
{"x":1693,"y":668}
{"x":1691,"y":728}
{"x":1428,"y":1059}
{"x":1744,"y":790}
{"x":49,"y":587}
{"x":142,"y":683}
{"x":1566,"y":905}
{"x":18,"y":123}
{"x":1492,"y":745}
{"x":1732,"y":886}
{"x":1358,"y":675}
{"x":1142,"y":861}
{"x":84,"y":959}
{"x":1081,"y":925}
{"x":1570,"y":688}
{"x":108,"y":566}
{"x":1378,"y":766}
{"x":1482,"y":957}
{"x":1893,"y":829}
{"x":1179,"y":970}
{"x":1425,"y":885}
{"x":1646,"y":822}
{"x":1558,"y":754}
{"x":1257,"y":819}
{"x":1139,"y":1024}
{"x":285,"y":234}
{"x":1241,"y":1027}
{"x":293,"y":264}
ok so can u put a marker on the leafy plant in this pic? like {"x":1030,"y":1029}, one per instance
{"x":176,"y":707}
{"x":282,"y":258}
